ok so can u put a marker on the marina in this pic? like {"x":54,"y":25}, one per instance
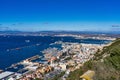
{"x":19,"y":67}
{"x":53,"y":57}
{"x":25,"y":50}
{"x":59,"y":39}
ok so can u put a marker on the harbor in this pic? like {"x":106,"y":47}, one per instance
{"x":60,"y":40}
{"x":69,"y":58}
{"x":53,"y":58}
{"x":20,"y":66}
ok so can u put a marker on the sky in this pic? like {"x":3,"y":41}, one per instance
{"x":70,"y":15}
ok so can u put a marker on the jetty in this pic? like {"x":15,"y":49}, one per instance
{"x":33,"y":58}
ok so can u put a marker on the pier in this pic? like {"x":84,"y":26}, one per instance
{"x":33,"y":58}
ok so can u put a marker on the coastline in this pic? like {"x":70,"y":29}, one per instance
{"x":34,"y":66}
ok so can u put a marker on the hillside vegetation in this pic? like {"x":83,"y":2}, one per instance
{"x":106,"y":64}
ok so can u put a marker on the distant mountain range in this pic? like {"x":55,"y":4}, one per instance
{"x":53,"y":33}
{"x":72,"y":32}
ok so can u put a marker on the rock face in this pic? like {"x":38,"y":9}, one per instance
{"x":88,"y":75}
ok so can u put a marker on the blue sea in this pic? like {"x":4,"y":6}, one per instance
{"x":14,"y":49}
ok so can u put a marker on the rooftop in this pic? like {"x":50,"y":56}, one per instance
{"x":5,"y":74}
